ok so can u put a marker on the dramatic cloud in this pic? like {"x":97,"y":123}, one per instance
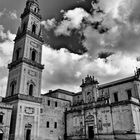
{"x":124,"y":35}
{"x":70,"y":32}
{"x":82,"y":28}
{"x":9,"y":14}
{"x":71,"y":21}
{"x":104,"y":54}
{"x":107,"y":55}
{"x":13,"y":14}
{"x":6,"y":49}
{"x":65,"y":70}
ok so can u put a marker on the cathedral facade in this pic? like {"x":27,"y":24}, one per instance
{"x":99,"y":112}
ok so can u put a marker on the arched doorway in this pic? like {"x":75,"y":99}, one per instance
{"x":89,"y":121}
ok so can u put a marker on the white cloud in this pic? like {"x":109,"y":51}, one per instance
{"x":3,"y":86}
{"x":65,"y":70}
{"x":10,"y":14}
{"x":13,"y":14}
{"x":49,"y":24}
{"x":6,"y":49}
{"x":72,"y":20}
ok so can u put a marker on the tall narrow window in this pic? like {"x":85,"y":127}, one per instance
{"x":24,"y":27}
{"x":31,"y":90}
{"x":129,"y":94}
{"x":1,"y":118}
{"x":12,"y":88}
{"x":48,"y":102}
{"x":116,"y":97}
{"x":33,"y":28}
{"x":55,"y":104}
{"x":55,"y":125}
{"x":48,"y":125}
{"x":33,"y":57}
{"x":17,"y":54}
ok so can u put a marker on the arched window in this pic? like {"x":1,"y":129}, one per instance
{"x":12,"y":86}
{"x":24,"y":27}
{"x":33,"y":28}
{"x":17,"y":54}
{"x":33,"y":55}
{"x":31,"y":87}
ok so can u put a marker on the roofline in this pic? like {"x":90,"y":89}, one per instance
{"x":118,"y":82}
{"x":78,"y":93}
{"x":62,"y":91}
{"x":55,"y":98}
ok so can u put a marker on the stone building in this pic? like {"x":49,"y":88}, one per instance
{"x":109,"y":111}
{"x":5,"y":119}
{"x":102,"y":112}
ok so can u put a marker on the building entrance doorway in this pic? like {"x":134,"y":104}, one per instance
{"x":28,"y":129}
{"x":90,"y":132}
{"x":28,"y":134}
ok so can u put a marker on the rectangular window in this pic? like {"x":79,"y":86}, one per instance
{"x":116,"y":97}
{"x":48,"y":102}
{"x":48,"y":125}
{"x":55,"y":125}
{"x":55,"y":104}
{"x":1,"y":118}
{"x":41,"y":110}
{"x":129,"y":94}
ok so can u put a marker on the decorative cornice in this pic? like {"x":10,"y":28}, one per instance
{"x":27,"y":61}
{"x":22,"y":97}
{"x":27,"y":32}
{"x":100,"y":105}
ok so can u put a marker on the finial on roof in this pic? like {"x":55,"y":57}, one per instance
{"x":89,"y":80}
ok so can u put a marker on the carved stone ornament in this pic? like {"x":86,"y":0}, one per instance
{"x":29,"y":110}
{"x":89,"y":118}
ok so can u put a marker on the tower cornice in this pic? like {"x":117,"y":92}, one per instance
{"x":27,"y":32}
{"x":22,"y":97}
{"x":27,"y":61}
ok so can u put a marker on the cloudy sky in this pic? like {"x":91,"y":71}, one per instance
{"x":81,"y":38}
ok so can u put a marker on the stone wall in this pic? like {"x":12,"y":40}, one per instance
{"x":53,"y":113}
{"x":5,"y":111}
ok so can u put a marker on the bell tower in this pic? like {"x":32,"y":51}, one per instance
{"x":25,"y":69}
{"x":25,"y":74}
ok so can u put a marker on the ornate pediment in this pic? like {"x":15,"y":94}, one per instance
{"x":89,"y":118}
